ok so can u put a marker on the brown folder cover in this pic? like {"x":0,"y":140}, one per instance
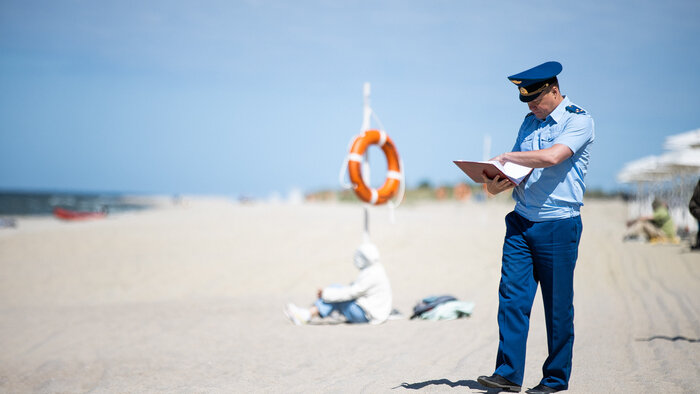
{"x":474,"y":169}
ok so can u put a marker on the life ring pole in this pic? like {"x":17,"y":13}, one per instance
{"x":365,"y":233}
{"x":356,"y":164}
{"x":367,"y":109}
{"x":366,"y":123}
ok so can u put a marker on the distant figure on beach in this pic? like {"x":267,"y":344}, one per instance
{"x":694,"y":207}
{"x":544,"y":230}
{"x":462,"y":192}
{"x":658,"y":227}
{"x":366,"y":300}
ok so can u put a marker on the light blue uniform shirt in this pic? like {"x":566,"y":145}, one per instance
{"x":554,"y":192}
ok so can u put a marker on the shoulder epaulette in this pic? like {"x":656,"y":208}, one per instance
{"x":576,"y":110}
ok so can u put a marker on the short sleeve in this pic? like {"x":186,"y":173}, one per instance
{"x":577,"y":133}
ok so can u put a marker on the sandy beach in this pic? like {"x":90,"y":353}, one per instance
{"x":189,"y":298}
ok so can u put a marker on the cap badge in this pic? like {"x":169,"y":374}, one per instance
{"x":523,"y":91}
{"x":516,"y":82}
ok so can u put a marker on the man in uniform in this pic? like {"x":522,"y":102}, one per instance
{"x":544,"y":230}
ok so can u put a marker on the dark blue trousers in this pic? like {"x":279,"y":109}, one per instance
{"x":544,"y":253}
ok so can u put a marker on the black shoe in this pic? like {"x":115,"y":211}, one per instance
{"x":498,"y":382}
{"x":541,"y":389}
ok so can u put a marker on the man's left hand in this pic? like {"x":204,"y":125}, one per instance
{"x":496,"y":185}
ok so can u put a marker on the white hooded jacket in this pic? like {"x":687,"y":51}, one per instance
{"x":371,"y":290}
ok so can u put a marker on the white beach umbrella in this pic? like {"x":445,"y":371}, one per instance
{"x":646,"y":169}
{"x":681,"y":161}
{"x":689,"y":139}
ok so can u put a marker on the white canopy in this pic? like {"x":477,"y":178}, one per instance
{"x":682,"y":158}
{"x":687,"y":140}
{"x":646,"y":169}
{"x":681,"y":161}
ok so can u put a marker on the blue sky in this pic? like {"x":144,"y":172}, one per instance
{"x":256,"y":97}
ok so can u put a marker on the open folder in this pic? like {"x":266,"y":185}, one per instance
{"x":515,"y":172}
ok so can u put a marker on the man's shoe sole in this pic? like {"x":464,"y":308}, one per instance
{"x":493,"y":385}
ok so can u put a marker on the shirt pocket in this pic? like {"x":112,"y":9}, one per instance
{"x":547,"y":138}
{"x":527,"y":144}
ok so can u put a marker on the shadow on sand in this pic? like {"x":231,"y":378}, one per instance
{"x":672,"y":339}
{"x":472,"y":384}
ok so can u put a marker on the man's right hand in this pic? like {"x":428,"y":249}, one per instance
{"x":496,"y":185}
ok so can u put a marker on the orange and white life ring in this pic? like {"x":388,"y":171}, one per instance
{"x":393,"y":176}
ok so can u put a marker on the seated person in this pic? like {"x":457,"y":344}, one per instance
{"x":366,"y":300}
{"x":656,"y":228}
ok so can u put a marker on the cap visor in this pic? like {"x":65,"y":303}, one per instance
{"x":527,"y":99}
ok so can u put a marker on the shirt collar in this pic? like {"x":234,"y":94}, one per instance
{"x":560,"y":110}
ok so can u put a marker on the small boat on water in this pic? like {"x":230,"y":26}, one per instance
{"x":69,"y":214}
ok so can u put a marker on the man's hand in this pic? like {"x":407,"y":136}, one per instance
{"x":496,"y":185}
{"x":542,"y":158}
{"x":500,"y":158}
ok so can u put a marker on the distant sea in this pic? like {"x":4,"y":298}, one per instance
{"x":43,"y":203}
